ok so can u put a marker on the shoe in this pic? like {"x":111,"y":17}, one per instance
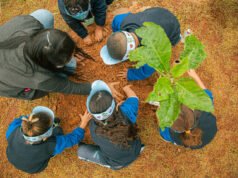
{"x":56,"y":122}
{"x":186,"y":33}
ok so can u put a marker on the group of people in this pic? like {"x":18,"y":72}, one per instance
{"x":37,"y":59}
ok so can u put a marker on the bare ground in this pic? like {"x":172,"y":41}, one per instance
{"x":215,"y":23}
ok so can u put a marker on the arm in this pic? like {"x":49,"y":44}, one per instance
{"x":141,"y":73}
{"x":192,"y":73}
{"x":69,"y":140}
{"x":74,"y":24}
{"x":63,"y":85}
{"x":99,"y":8}
{"x":130,"y":107}
{"x":116,"y":23}
{"x":16,"y":123}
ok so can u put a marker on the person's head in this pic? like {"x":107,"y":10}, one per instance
{"x":111,"y":123}
{"x":38,"y":126}
{"x":79,"y":9}
{"x":186,"y":125}
{"x":51,"y":49}
{"x":119,"y":45}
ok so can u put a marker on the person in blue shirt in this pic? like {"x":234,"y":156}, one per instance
{"x":113,"y":128}
{"x":34,"y":139}
{"x":192,"y":129}
{"x":80,"y":13}
{"x":124,"y":39}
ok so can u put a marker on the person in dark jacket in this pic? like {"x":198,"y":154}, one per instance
{"x":34,"y":139}
{"x":80,"y":13}
{"x":112,"y":129}
{"x":124,"y":39}
{"x":192,"y":129}
{"x":36,"y":59}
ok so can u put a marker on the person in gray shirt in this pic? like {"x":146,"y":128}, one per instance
{"x":36,"y":59}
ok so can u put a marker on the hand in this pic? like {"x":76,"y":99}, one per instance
{"x":118,"y":96}
{"x":129,"y":92}
{"x":123,"y":74}
{"x":98,"y":33}
{"x":85,"y":119}
{"x":192,"y":73}
{"x":87,"y":40}
{"x":119,"y":104}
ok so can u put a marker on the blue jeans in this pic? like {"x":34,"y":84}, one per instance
{"x":45,"y":17}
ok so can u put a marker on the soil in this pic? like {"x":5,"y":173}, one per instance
{"x":215,"y":23}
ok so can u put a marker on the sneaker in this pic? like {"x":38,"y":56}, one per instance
{"x":154,"y":103}
{"x":56,"y":122}
{"x":186,"y":33}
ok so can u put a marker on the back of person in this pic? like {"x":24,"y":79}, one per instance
{"x":26,"y":157}
{"x":115,"y":154}
{"x":160,"y":16}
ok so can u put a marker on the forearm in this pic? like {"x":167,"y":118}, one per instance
{"x":69,"y":140}
{"x":199,"y":82}
{"x":63,"y":85}
{"x":99,"y":11}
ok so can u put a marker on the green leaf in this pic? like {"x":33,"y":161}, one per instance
{"x":162,"y":90}
{"x":190,"y":94}
{"x":194,"y":51}
{"x":168,"y":111}
{"x":179,"y":69}
{"x":155,"y":50}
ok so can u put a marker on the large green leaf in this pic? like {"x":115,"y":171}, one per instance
{"x":168,"y":111}
{"x":194,"y":51}
{"x":179,"y":69}
{"x":155,"y":50}
{"x":190,"y":94}
{"x":162,"y":90}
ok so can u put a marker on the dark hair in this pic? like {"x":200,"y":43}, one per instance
{"x":36,"y":124}
{"x":47,"y":48}
{"x":73,"y":3}
{"x":187,"y":125}
{"x":116,"y":128}
{"x":117,"y":45}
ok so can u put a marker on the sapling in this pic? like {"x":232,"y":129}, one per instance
{"x":171,"y":89}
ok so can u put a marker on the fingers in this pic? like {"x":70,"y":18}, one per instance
{"x":119,"y":104}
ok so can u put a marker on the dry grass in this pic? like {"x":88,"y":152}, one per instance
{"x":215,"y":23}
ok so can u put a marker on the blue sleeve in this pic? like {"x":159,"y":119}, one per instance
{"x":16,"y":123}
{"x":116,"y":23}
{"x":165,"y":134}
{"x":209,"y":93}
{"x":140,"y":74}
{"x":68,"y":140}
{"x":130,"y":108}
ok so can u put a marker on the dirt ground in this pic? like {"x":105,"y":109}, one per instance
{"x":215,"y":23}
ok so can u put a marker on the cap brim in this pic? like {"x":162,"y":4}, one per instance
{"x":97,"y":85}
{"x":107,"y":59}
{"x":44,"y":109}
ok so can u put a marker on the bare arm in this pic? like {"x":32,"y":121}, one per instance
{"x":128,"y":91}
{"x":192,"y":73}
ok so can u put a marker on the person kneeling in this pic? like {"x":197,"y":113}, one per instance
{"x":112,"y":128}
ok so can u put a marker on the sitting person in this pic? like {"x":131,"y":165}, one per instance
{"x":80,"y":13}
{"x":192,"y":129}
{"x":113,"y":128}
{"x":124,"y":38}
{"x":36,"y":59}
{"x":34,"y":139}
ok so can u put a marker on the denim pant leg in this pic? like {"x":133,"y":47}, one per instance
{"x":91,"y":153}
{"x":45,"y":17}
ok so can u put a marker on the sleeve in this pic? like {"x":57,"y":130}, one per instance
{"x":116,"y":23}
{"x":99,"y":9}
{"x":74,"y":24}
{"x":141,"y":73}
{"x":16,"y":123}
{"x":209,"y":93}
{"x":165,"y":134}
{"x":63,"y":85}
{"x":69,"y":140}
{"x":130,"y":108}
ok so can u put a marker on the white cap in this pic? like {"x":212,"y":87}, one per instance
{"x":100,"y":85}
{"x":107,"y":59}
